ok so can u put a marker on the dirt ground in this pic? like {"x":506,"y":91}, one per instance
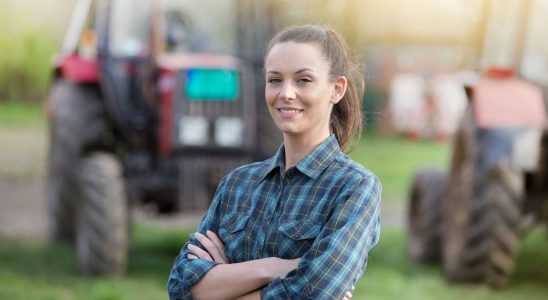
{"x":23,"y":210}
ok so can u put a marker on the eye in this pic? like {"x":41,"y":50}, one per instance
{"x":304,"y":80}
{"x":274,"y":80}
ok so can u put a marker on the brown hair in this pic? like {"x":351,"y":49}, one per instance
{"x":346,"y":116}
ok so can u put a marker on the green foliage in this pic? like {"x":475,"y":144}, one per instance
{"x":26,"y":55}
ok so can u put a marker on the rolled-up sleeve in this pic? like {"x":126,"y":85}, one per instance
{"x":338,"y":256}
{"x":186,"y":272}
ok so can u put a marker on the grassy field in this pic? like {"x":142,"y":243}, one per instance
{"x":33,"y":270}
{"x":37,"y":271}
{"x":394,"y":160}
{"x":21,"y":114}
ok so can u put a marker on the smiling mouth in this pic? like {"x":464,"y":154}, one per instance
{"x":287,"y":113}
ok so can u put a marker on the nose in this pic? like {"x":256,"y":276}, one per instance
{"x":287,"y":92}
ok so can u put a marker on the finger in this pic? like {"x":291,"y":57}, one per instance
{"x":348,"y":295}
{"x":209,"y":246}
{"x":217,"y":241}
{"x":199,"y":252}
{"x":191,"y":256}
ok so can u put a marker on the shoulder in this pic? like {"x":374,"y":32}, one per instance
{"x":354,"y":171}
{"x":355,"y":178}
{"x":250,"y":172}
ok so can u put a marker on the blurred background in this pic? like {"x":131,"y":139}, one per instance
{"x":418,"y":57}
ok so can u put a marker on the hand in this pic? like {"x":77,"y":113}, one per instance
{"x":214,"y":248}
{"x":348,"y":294}
{"x":279,"y":267}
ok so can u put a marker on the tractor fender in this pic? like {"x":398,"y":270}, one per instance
{"x":507,"y":103}
{"x":76,"y":69}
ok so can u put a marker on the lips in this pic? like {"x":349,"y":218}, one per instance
{"x":289,"y":112}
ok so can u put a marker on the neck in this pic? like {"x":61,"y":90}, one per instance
{"x":297,"y":147}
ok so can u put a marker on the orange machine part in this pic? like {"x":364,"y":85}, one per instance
{"x":508,"y":102}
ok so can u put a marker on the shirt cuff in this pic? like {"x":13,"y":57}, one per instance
{"x":185,"y":275}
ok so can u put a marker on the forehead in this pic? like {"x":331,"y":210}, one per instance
{"x":291,"y":57}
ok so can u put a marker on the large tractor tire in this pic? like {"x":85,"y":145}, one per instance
{"x":482,"y":213}
{"x":77,"y":121}
{"x":103,"y":232}
{"x":425,"y":215}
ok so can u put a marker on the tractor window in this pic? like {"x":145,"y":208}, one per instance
{"x":212,"y":85}
{"x":129,"y":27}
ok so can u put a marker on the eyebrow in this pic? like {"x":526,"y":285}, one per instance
{"x":299,"y":71}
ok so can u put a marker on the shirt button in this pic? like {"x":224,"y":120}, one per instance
{"x":258,"y":251}
{"x":308,"y":289}
{"x":267,"y":218}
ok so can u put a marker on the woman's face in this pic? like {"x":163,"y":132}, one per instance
{"x":299,"y":92}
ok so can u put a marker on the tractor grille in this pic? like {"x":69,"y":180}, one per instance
{"x":241,"y":107}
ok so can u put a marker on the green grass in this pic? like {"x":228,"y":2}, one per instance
{"x":37,"y":271}
{"x":390,"y":275}
{"x":394,"y":160}
{"x":21,"y":114}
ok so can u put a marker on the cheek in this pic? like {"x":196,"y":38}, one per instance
{"x":270,"y":95}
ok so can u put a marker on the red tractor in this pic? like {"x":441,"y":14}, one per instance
{"x":471,"y":218}
{"x":132,"y":121}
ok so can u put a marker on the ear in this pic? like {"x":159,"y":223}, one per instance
{"x":339,"y":89}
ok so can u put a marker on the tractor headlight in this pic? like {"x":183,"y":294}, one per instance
{"x":229,"y":132}
{"x":193,"y":130}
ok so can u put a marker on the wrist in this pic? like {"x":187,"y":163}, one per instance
{"x":269,"y":269}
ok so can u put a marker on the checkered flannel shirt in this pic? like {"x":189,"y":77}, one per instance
{"x":325,"y":210}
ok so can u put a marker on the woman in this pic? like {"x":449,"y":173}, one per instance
{"x":300,"y":224}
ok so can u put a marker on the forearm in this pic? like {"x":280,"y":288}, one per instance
{"x":229,"y":281}
{"x":255,"y":295}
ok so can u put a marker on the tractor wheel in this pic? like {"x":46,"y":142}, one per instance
{"x":77,"y":122}
{"x":425,"y":215}
{"x":481,"y":214}
{"x":102,"y":239}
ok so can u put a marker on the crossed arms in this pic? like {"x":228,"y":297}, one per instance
{"x":328,"y":269}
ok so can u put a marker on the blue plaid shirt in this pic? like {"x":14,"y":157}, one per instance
{"x":325,"y":210}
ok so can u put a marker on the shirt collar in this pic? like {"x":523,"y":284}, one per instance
{"x":312,"y":164}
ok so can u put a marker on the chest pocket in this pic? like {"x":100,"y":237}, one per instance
{"x":233,"y":234}
{"x":297,"y":237}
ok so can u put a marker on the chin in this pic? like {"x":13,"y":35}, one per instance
{"x":288,"y":129}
